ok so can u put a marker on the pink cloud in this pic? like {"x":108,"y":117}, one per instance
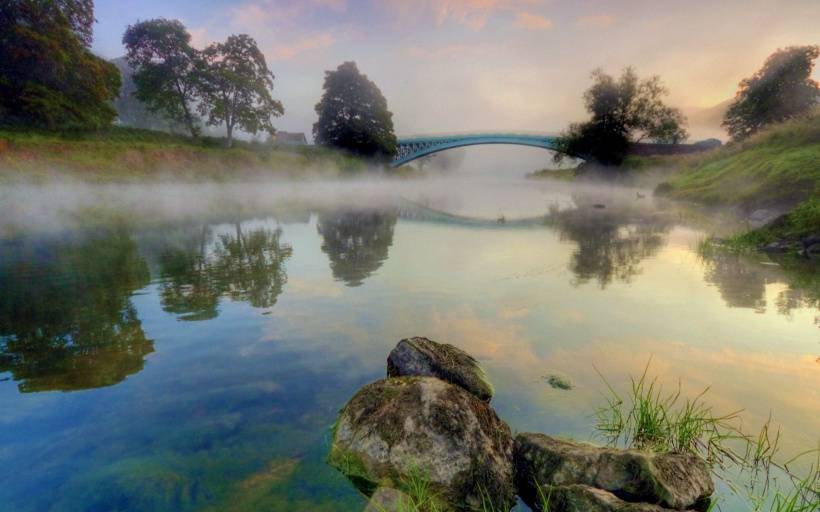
{"x":472,"y":13}
{"x":531,"y":21}
{"x":308,"y":43}
{"x":436,"y":53}
{"x":596,"y":20}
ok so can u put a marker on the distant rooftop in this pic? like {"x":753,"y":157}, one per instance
{"x":290,"y":138}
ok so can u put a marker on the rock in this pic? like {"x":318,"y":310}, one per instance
{"x":426,"y":358}
{"x":583,"y":498}
{"x":387,"y":499}
{"x":396,"y":429}
{"x":778,"y":246}
{"x":559,"y":382}
{"x":763,"y":216}
{"x":676,"y":481}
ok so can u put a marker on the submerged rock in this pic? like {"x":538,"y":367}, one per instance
{"x":675,"y":481}
{"x":583,"y":498}
{"x":559,"y":382}
{"x":397,"y":429}
{"x":427,"y":358}
{"x":387,"y":499}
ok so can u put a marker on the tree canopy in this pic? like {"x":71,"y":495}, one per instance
{"x":236,"y":87}
{"x":353,"y":115}
{"x":48,"y":76}
{"x":623,"y":111}
{"x":780,"y":90}
{"x":166,"y":68}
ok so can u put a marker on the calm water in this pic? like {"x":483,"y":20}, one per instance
{"x":191,"y":351}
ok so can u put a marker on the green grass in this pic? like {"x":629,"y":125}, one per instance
{"x":649,"y":418}
{"x":127,"y":154}
{"x":775,"y":167}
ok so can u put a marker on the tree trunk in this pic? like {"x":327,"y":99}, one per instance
{"x":230,"y":135}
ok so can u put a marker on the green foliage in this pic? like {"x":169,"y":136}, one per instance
{"x":167,"y":69}
{"x":803,"y":221}
{"x":353,"y":115}
{"x":236,"y":87}
{"x":650,"y":419}
{"x":780,"y":90}
{"x":623,"y":111}
{"x":776,"y":166}
{"x":130,"y":154}
{"x":48,"y":77}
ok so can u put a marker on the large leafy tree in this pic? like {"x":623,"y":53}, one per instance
{"x":353,"y":115}
{"x":236,"y":87}
{"x":48,"y":76}
{"x":167,"y":69}
{"x":623,"y":111}
{"x":780,"y":90}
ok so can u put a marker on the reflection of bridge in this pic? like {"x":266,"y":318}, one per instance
{"x":410,"y":149}
{"x":413,"y":211}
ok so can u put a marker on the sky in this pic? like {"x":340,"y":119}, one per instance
{"x":487,"y":65}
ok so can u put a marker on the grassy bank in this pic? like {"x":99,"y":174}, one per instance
{"x":128,"y":154}
{"x":779,"y":167}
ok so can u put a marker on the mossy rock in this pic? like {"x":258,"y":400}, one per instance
{"x":427,"y":358}
{"x":399,"y":429}
{"x":676,"y":481}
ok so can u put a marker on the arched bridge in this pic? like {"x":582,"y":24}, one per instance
{"x":412,"y":148}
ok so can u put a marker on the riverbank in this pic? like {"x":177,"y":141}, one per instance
{"x":122,"y":154}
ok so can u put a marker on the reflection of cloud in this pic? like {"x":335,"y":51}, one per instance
{"x":596,"y":20}
{"x":509,"y":313}
{"x":313,"y":288}
{"x":756,"y":382}
{"x":531,"y":21}
{"x":313,"y":42}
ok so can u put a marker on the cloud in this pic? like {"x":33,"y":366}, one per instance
{"x":531,"y":21}
{"x":472,"y":13}
{"x":596,"y":20}
{"x":318,"y":41}
{"x":417,"y":52}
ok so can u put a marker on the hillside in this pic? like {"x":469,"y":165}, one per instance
{"x":130,"y":154}
{"x":777,"y":168}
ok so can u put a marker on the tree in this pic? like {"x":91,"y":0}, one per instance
{"x":353,"y":115}
{"x":780,"y":90}
{"x":48,"y":76}
{"x":80,"y":15}
{"x":623,"y":112}
{"x":236,"y":87}
{"x":167,"y":69}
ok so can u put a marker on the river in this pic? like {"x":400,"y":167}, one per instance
{"x":187,"y":347}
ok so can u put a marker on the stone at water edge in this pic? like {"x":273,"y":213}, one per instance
{"x":583,"y":498}
{"x":387,"y":499}
{"x":395,"y":428}
{"x":427,"y":358}
{"x":675,"y":481}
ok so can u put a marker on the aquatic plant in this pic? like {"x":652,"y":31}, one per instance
{"x":648,"y":418}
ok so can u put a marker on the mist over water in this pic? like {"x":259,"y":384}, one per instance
{"x":183,"y":346}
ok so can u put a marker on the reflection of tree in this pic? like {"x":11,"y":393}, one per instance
{"x":356,"y":242}
{"x":243,"y":266}
{"x":66,"y":318}
{"x":742,"y":281}
{"x":611,"y":244}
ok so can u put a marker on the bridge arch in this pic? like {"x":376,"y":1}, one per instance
{"x":410,"y":149}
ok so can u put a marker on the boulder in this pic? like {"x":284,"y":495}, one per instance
{"x":426,"y":358}
{"x":387,"y":499}
{"x":399,"y":429}
{"x":676,"y":481}
{"x":583,"y":498}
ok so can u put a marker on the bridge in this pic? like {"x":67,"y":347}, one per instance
{"x":412,"y":148}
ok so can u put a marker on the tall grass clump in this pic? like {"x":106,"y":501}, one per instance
{"x":648,"y":418}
